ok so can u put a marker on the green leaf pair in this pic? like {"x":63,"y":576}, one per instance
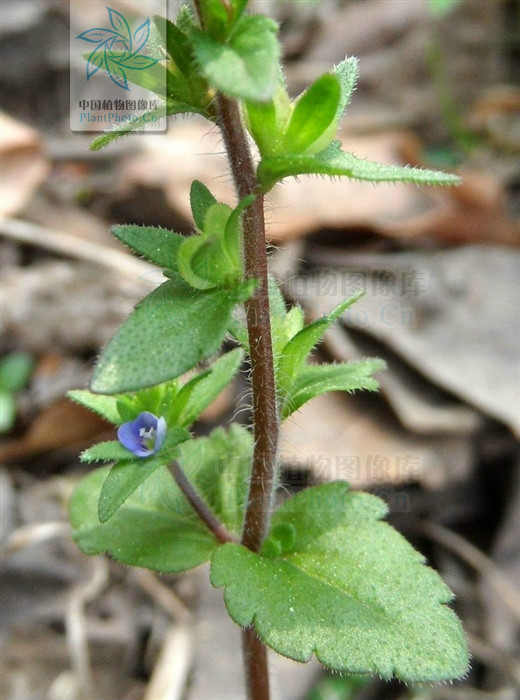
{"x":331,"y":579}
{"x":297,"y":138}
{"x":213,"y":258}
{"x":307,"y":125}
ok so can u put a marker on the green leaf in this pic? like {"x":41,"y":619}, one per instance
{"x":194,"y":265}
{"x":199,"y":392}
{"x":346,"y":72}
{"x":295,"y":352}
{"x":320,"y":379}
{"x":15,"y":371}
{"x":346,"y":587}
{"x":246,"y":67}
{"x":125,"y":477}
{"x":168,"y":333}
{"x":201,"y":200}
{"x":267,"y":121}
{"x":109,"y":451}
{"x":333,"y":161}
{"x":232,"y":240}
{"x":176,"y":43}
{"x":314,"y":120}
{"x":158,"y":245}
{"x":154,"y":528}
{"x":105,"y":406}
{"x":220,"y":17}
{"x":220,"y":466}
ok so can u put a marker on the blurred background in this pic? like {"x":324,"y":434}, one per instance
{"x":438,"y":87}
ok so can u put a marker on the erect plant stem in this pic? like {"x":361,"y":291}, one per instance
{"x":198,"y":504}
{"x":265,"y":416}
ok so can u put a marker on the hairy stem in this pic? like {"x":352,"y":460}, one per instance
{"x":198,"y":504}
{"x":265,"y":418}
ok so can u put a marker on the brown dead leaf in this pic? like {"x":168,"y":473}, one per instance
{"x":23,"y":165}
{"x":337,"y":437}
{"x":62,"y":424}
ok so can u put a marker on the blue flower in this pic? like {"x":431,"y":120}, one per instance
{"x":143,"y":436}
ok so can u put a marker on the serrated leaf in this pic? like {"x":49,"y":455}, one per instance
{"x":320,"y":379}
{"x":201,"y":200}
{"x":155,"y":527}
{"x":334,"y":162}
{"x":168,"y":333}
{"x":105,"y":406}
{"x":110,"y":451}
{"x":220,"y":466}
{"x":346,"y":72}
{"x":346,"y":587}
{"x":126,"y":476}
{"x":314,"y":121}
{"x":199,"y":392}
{"x":158,"y":245}
{"x":246,"y":67}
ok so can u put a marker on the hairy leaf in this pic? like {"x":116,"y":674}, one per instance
{"x":168,"y":333}
{"x":201,"y":200}
{"x":154,"y":528}
{"x":320,"y":379}
{"x":345,"y":586}
{"x":333,"y":161}
{"x":158,"y":245}
{"x":313,"y":122}
{"x":199,"y":392}
{"x":171,"y":108}
{"x":105,"y":406}
{"x":110,"y":451}
{"x":346,"y":72}
{"x":246,"y":66}
{"x":300,"y":344}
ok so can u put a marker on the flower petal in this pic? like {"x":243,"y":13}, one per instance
{"x":160,"y":433}
{"x":128,"y":436}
